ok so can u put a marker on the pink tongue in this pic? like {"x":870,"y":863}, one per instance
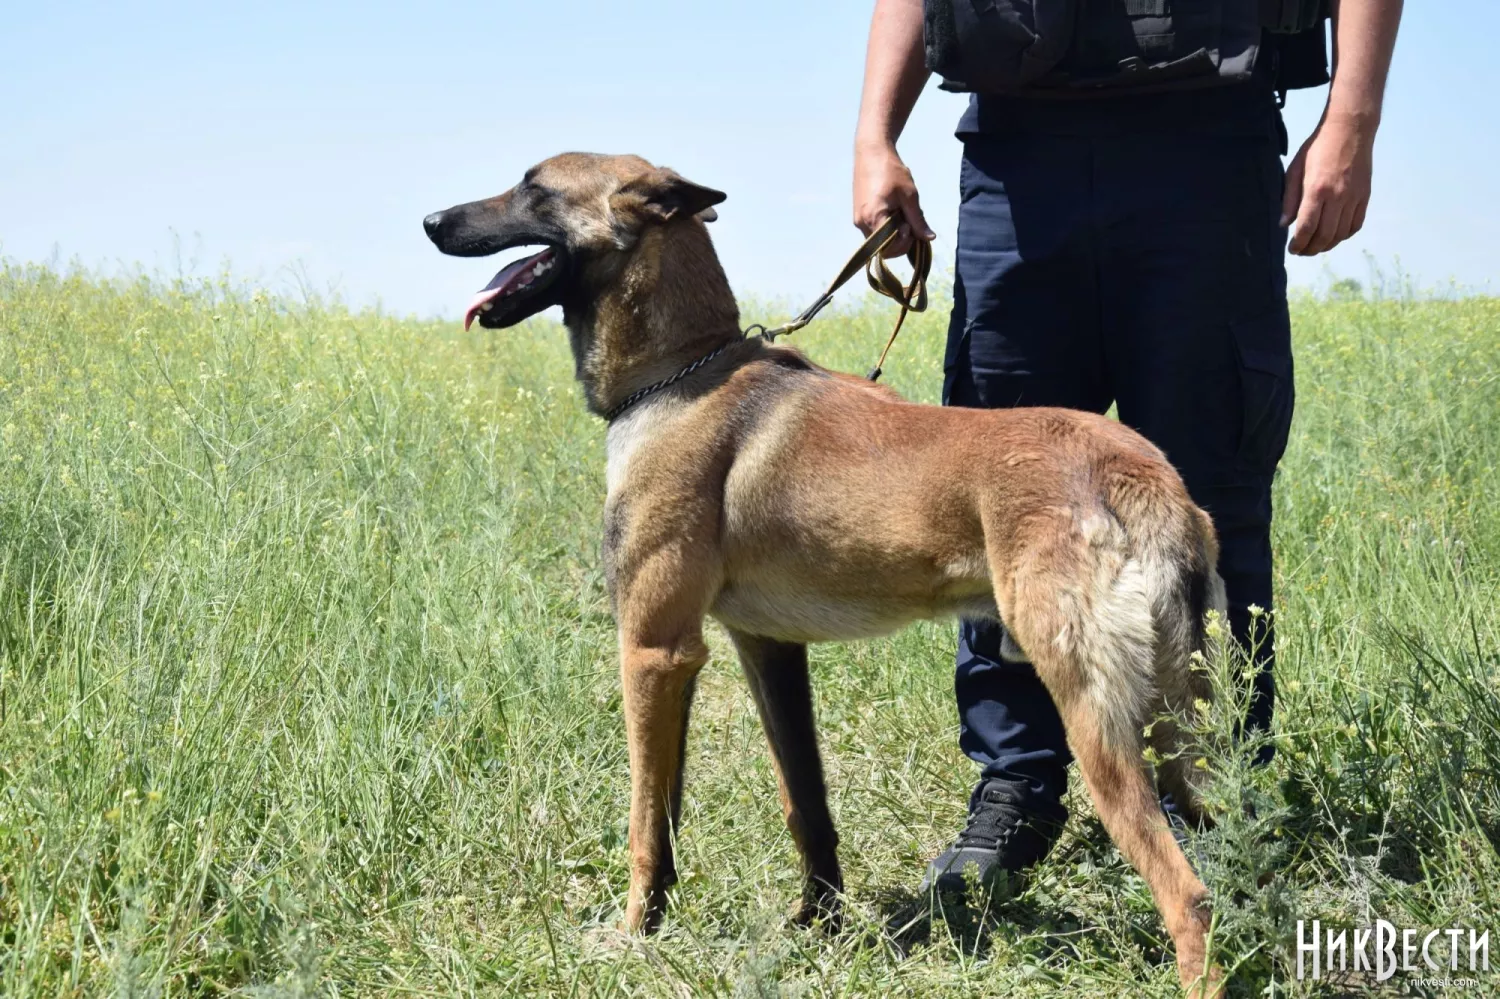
{"x":476,"y":304}
{"x":512,"y":276}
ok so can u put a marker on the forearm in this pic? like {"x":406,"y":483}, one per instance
{"x":1328,"y":181}
{"x":1364,"y":36}
{"x":895,"y":72}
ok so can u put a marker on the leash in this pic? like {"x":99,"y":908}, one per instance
{"x":912,"y":297}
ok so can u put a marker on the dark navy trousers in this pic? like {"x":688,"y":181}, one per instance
{"x":1140,"y":269}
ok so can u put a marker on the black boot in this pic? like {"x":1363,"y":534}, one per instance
{"x":1008,"y":831}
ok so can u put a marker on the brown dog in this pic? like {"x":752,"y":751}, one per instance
{"x":794,"y":504}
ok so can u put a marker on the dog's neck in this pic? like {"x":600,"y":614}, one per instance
{"x":669,"y":305}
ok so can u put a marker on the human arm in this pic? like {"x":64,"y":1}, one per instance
{"x":1328,"y":181}
{"x":895,"y":72}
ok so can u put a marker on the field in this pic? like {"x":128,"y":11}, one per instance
{"x":307,"y":682}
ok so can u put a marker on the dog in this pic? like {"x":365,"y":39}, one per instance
{"x":794,"y":504}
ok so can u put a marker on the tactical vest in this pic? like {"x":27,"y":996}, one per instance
{"x":1080,"y":48}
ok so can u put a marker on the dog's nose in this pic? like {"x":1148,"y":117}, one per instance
{"x":432,"y":224}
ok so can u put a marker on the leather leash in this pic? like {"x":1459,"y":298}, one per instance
{"x":912,"y":297}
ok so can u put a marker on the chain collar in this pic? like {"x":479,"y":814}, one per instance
{"x":639,"y":394}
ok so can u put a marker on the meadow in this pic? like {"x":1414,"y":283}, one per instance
{"x":307,"y":679}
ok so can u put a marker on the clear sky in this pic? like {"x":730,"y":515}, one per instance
{"x":310,"y":138}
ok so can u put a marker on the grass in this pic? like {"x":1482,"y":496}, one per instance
{"x":307,"y":681}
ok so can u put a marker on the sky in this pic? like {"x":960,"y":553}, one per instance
{"x":302,"y":143}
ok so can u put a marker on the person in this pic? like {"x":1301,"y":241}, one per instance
{"x":1124,"y":245}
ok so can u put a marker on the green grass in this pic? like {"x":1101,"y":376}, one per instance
{"x":307,"y":679}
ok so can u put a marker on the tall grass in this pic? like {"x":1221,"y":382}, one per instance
{"x":307,"y":679}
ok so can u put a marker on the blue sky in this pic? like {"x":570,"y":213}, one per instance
{"x":311,"y":138}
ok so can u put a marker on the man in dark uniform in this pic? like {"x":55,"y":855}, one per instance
{"x":1125,"y":249}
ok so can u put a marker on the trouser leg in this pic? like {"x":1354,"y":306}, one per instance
{"x":1198,"y":339}
{"x":1024,"y":332}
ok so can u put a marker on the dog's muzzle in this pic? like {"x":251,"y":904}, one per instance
{"x":521,"y":288}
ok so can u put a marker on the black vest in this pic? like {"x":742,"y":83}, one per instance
{"x":1081,"y":48}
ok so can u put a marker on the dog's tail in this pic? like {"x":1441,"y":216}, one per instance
{"x":1188,"y":589}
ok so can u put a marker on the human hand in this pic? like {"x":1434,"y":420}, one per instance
{"x":1328,"y":185}
{"x":883,"y":187}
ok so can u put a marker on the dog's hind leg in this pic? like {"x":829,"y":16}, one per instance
{"x":1093,"y":646}
{"x":658,"y":678}
{"x":1120,"y":785}
{"x":777,"y":672}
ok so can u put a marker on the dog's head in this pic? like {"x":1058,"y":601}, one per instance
{"x":585,"y":211}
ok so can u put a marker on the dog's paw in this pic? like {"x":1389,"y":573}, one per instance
{"x":818,"y":910}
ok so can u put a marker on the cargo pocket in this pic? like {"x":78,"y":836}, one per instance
{"x":1263,"y":347}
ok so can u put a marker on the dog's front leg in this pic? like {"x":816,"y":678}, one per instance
{"x":658,"y":680}
{"x":779,"y":681}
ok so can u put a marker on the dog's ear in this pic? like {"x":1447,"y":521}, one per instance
{"x":663,"y":194}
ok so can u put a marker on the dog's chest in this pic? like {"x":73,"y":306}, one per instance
{"x":627,"y":437}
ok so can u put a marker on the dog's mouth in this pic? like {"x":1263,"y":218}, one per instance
{"x":522,"y":289}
